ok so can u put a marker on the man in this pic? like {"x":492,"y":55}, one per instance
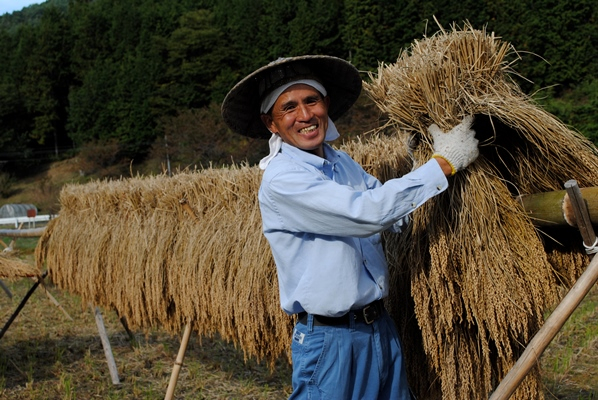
{"x":323,"y":214}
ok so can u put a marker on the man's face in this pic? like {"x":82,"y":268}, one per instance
{"x":300,"y":117}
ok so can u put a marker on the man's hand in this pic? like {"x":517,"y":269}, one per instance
{"x":458,"y":147}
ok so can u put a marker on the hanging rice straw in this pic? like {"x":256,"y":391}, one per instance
{"x":473,"y":276}
{"x":12,"y":268}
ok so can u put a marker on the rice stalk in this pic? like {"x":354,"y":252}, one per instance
{"x":480,"y":275}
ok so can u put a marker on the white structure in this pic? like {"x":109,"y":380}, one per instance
{"x":17,"y":214}
{"x":18,"y":210}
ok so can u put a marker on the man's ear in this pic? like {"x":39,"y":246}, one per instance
{"x":267,"y":120}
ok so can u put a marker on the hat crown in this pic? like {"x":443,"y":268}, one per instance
{"x":281,"y":75}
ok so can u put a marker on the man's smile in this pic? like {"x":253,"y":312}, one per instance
{"x":308,"y":129}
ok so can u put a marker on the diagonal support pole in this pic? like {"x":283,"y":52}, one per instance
{"x":21,"y":305}
{"x":178,"y":363}
{"x":106,"y":345}
{"x":6,"y":289}
{"x":562,"y":312}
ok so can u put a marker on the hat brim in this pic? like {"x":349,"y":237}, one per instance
{"x":241,"y":106}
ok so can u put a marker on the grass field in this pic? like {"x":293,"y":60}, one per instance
{"x":45,"y":355}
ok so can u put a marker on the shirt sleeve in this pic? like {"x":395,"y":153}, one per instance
{"x":297,"y":200}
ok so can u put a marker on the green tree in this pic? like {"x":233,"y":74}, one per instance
{"x":197,"y":64}
{"x":373,"y":31}
{"x":239,"y":20}
{"x":315,"y":28}
{"x":119,"y":62}
{"x":46,"y":80}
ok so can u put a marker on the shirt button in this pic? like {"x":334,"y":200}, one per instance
{"x":439,"y":187}
{"x":413,"y":205}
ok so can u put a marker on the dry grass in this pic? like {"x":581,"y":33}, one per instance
{"x":480,"y":275}
{"x":12,"y":268}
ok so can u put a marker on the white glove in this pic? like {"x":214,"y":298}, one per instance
{"x":458,"y":147}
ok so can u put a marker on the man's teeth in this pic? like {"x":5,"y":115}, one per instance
{"x":308,"y":129}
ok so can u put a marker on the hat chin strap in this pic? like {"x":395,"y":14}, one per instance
{"x":275,"y":143}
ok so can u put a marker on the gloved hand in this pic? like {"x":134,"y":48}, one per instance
{"x":458,"y":147}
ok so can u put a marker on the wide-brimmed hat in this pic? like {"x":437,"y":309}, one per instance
{"x":241,"y":107}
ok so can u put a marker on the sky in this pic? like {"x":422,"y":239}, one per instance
{"x":8,"y":6}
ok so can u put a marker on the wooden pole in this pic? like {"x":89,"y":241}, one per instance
{"x":563,"y":311}
{"x":106,"y":346}
{"x":580,"y":209}
{"x":20,"y":307}
{"x":125,"y":325}
{"x":13,"y":233}
{"x":55,"y":302}
{"x":6,"y":289}
{"x":178,"y":363}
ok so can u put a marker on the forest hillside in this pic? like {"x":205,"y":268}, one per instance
{"x":138,"y":83}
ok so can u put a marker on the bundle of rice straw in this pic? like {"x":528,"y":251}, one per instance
{"x":12,"y":268}
{"x":473,"y":276}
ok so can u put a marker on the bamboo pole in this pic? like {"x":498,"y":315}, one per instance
{"x":561,"y":314}
{"x":55,"y":302}
{"x":14,"y":233}
{"x":106,"y":345}
{"x":554,"y":208}
{"x":178,"y":363}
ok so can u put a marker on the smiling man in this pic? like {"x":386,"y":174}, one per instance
{"x":323,"y":214}
{"x":300,"y":117}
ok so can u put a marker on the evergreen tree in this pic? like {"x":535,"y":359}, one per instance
{"x":315,"y":28}
{"x":197,"y":64}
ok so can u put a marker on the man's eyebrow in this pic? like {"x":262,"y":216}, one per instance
{"x":292,"y":102}
{"x":288,"y":103}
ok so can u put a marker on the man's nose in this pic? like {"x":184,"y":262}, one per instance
{"x":304,"y":112}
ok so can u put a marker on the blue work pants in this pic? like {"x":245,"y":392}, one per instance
{"x":352,"y":361}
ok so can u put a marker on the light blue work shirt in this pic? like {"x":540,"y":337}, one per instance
{"x":323,"y":218}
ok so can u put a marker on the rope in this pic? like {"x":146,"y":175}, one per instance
{"x":593,"y":249}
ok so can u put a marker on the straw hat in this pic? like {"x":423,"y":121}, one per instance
{"x":241,"y":107}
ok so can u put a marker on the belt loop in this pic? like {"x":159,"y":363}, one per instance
{"x":351,"y":316}
{"x":310,"y":322}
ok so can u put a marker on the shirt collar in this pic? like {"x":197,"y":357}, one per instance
{"x":331,"y":156}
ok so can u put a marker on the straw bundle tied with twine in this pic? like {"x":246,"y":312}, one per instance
{"x":478,"y":274}
{"x":470,"y":278}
